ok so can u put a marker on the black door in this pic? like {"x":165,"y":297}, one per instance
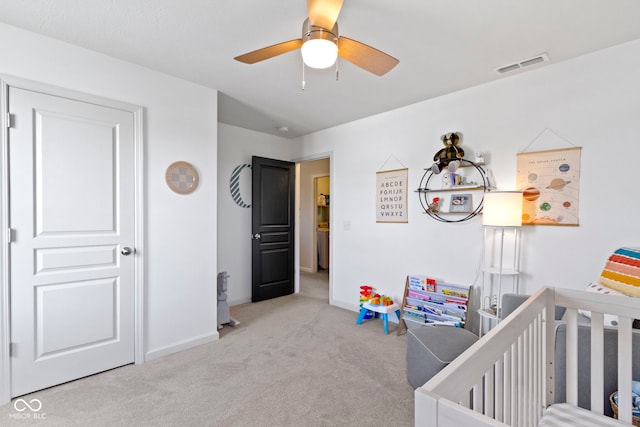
{"x":273,"y":193}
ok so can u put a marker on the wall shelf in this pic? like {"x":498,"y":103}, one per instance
{"x":454,"y":188}
{"x":473,"y":179}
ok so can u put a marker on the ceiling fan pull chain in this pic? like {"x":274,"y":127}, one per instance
{"x":303,"y":82}
{"x":337,"y":70}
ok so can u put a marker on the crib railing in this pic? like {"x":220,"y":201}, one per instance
{"x":507,"y":377}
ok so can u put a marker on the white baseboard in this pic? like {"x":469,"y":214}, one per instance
{"x":393,"y":317}
{"x":306,"y":269}
{"x":350,"y":307}
{"x":231,"y":303}
{"x":184,"y":345}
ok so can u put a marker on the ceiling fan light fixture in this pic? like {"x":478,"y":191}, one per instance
{"x":319,"y":45}
{"x":319,"y":53}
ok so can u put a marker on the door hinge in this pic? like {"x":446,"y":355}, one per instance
{"x":9,"y":120}
{"x":9,"y":235}
{"x":12,"y":349}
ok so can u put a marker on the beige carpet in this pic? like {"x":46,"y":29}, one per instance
{"x":293,"y":361}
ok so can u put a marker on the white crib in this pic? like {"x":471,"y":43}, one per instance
{"x":507,"y":377}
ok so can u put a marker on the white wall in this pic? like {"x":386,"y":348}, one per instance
{"x":235,"y":147}
{"x":180,"y":123}
{"x":592,"y":101}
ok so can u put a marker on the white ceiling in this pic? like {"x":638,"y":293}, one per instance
{"x":443,"y":46}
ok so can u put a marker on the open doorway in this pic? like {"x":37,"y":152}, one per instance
{"x":322,"y":221}
{"x":314,"y":227}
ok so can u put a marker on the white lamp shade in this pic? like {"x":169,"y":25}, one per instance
{"x":502,"y":209}
{"x":319,"y":53}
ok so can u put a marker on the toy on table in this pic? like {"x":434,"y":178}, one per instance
{"x":366,"y":293}
{"x":377,"y":305}
{"x":384,"y":300}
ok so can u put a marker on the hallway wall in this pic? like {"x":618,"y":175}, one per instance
{"x":236,"y":146}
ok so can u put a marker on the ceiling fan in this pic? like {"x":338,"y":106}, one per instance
{"x":321,"y":44}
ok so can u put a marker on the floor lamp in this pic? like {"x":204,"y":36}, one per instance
{"x":502,"y":219}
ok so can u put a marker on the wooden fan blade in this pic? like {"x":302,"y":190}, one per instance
{"x":324,"y":13}
{"x":269,"y":52}
{"x":366,"y":57}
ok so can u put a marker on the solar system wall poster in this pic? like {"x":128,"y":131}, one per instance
{"x":550,"y":185}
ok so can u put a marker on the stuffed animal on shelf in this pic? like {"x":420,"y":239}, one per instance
{"x":450,"y":153}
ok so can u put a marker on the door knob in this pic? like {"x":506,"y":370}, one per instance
{"x":256,"y":236}
{"x":126,"y":251}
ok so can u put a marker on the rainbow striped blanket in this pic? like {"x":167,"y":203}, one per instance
{"x":622,"y":272}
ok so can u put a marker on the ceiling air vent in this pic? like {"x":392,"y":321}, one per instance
{"x":524,"y":63}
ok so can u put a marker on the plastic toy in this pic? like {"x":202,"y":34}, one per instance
{"x":366,"y":293}
{"x":383,"y":300}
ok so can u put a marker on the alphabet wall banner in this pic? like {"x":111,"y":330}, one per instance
{"x":391,"y":195}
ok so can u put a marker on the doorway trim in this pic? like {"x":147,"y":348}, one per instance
{"x":5,"y":234}
{"x":298,"y":160}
